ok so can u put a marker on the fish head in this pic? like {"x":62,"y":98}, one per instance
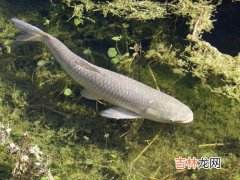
{"x":183,"y":115}
{"x":169,"y":112}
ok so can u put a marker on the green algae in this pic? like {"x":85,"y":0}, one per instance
{"x":70,"y":131}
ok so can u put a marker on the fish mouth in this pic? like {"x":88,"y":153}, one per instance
{"x":188,"y":119}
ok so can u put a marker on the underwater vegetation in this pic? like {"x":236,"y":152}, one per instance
{"x":162,"y":44}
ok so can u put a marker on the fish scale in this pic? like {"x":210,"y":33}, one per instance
{"x":132,"y":98}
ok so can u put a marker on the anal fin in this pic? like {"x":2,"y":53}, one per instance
{"x":119,"y":113}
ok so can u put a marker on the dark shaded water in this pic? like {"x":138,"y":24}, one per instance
{"x":226,"y":33}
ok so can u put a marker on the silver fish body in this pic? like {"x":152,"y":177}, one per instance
{"x":132,"y":99}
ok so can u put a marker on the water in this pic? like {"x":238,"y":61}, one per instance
{"x":80,"y":143}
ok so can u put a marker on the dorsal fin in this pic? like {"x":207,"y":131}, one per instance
{"x":87,"y":65}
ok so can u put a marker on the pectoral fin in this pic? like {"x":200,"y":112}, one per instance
{"x":119,"y":113}
{"x":87,"y":94}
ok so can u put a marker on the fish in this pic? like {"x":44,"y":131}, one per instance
{"x":131,"y":99}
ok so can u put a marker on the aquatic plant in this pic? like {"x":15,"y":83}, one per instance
{"x":123,"y":60}
{"x":180,"y":51}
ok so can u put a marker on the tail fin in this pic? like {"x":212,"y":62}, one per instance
{"x":32,"y":33}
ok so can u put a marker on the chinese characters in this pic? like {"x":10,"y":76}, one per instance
{"x":202,"y":163}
